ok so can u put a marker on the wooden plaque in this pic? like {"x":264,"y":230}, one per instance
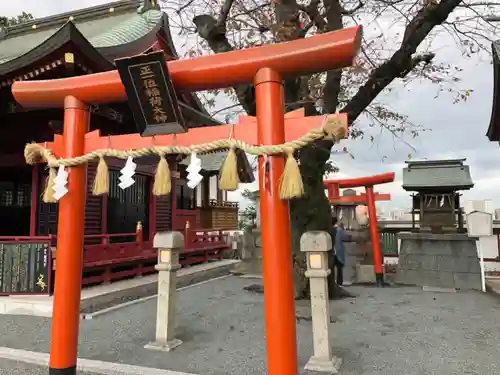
{"x":25,"y":268}
{"x":151,"y":95}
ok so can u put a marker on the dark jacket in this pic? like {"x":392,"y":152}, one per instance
{"x":340,"y":237}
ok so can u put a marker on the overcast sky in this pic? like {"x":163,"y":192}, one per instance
{"x":457,"y":130}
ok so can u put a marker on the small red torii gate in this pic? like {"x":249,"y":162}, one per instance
{"x":334,"y":186}
{"x":266,"y":67}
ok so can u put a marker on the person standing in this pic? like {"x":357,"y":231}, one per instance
{"x":331,"y":257}
{"x":339,"y":259}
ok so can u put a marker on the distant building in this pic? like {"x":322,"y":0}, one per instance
{"x":400,"y":215}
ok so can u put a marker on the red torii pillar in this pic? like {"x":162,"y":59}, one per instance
{"x":334,"y":187}
{"x":266,"y":67}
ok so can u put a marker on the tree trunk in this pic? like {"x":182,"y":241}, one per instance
{"x":312,"y":212}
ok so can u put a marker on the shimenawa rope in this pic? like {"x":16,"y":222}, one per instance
{"x":291,"y":185}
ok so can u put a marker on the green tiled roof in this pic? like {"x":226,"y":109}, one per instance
{"x":437,"y":174}
{"x":129,"y":29}
{"x":101,"y":32}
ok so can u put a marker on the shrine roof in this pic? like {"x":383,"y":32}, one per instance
{"x":100,"y":34}
{"x":493,"y":132}
{"x":450,"y":175}
{"x":104,"y":27}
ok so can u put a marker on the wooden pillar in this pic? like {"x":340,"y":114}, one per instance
{"x":205,"y":192}
{"x":104,"y":218}
{"x":70,"y":231}
{"x":152,"y":213}
{"x":35,"y":188}
{"x":219,"y":191}
{"x":275,"y":223}
{"x":173,"y":202}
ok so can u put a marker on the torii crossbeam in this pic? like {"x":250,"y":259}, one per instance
{"x":266,"y":67}
{"x":358,"y":199}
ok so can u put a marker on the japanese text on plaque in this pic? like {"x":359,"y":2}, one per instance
{"x":153,"y":93}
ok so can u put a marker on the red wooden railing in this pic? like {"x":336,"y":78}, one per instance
{"x":202,"y":245}
{"x":203,"y":238}
{"x":26,"y":238}
{"x":185,"y":217}
{"x":108,"y":260}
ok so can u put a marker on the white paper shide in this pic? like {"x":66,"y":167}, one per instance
{"x":194,"y":177}
{"x":60,"y":183}
{"x":127,"y":172}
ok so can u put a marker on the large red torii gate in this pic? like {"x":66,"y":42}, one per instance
{"x":266,"y":67}
{"x":334,"y":186}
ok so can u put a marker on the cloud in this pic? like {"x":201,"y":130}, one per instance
{"x":45,"y":8}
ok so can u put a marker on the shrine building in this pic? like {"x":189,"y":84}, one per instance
{"x":119,"y":226}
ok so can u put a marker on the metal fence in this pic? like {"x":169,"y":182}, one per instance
{"x":389,"y":243}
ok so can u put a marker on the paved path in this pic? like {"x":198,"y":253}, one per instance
{"x":12,"y":367}
{"x":389,"y":331}
{"x":19,"y":368}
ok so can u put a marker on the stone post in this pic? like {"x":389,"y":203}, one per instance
{"x":169,"y":244}
{"x":316,"y":245}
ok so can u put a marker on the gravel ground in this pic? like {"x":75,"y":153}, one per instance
{"x":19,"y":368}
{"x":389,"y":331}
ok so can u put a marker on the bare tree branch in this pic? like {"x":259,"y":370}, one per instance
{"x":349,"y":12}
{"x":426,"y":58}
{"x":244,"y":23}
{"x":215,"y":35}
{"x":333,"y":77}
{"x":224,"y":13}
{"x":313,"y":13}
{"x":426,"y":19}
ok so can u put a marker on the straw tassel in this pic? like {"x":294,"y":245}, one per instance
{"x":48,"y":194}
{"x":101,"y":180}
{"x":291,"y":185}
{"x":229,"y":179}
{"x":162,"y":184}
{"x":33,"y":153}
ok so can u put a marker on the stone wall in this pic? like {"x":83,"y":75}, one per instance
{"x":438,"y":260}
{"x":234,"y":238}
{"x":356,"y":254}
{"x":251,"y":253}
